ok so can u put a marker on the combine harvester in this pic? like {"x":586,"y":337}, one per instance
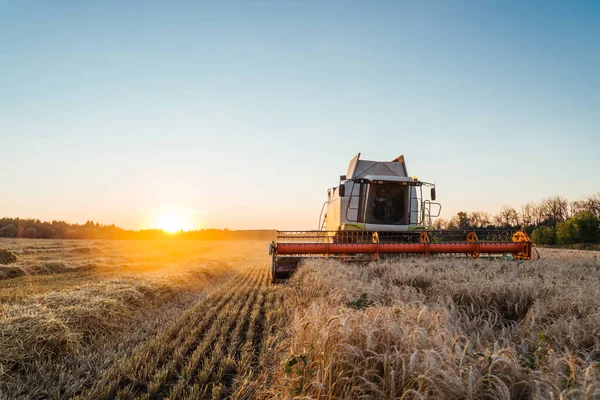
{"x":378,"y":211}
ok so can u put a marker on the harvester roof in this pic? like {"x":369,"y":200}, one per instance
{"x":382,"y":169}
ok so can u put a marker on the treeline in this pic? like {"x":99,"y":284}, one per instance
{"x":34,"y":228}
{"x":554,"y":220}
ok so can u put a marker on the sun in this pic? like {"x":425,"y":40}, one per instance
{"x":172,"y":221}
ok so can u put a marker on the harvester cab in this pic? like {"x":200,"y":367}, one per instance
{"x":378,"y":196}
{"x":379,"y":210}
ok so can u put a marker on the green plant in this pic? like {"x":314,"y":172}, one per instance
{"x":544,"y":235}
{"x":361,"y":302}
{"x":587,"y":227}
{"x":567,"y":232}
{"x":582,"y":228}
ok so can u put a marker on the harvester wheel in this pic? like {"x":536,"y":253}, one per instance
{"x":273,"y":269}
{"x":277,"y":276}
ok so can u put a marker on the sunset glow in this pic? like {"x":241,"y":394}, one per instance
{"x":172,"y":221}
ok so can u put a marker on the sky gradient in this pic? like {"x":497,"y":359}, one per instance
{"x":244,"y":113}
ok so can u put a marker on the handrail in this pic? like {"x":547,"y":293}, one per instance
{"x":321,"y":215}
{"x":427,"y":212}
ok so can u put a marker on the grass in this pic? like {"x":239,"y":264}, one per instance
{"x":191,"y":319}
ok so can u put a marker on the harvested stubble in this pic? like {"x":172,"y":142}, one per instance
{"x":10,"y":271}
{"x":58,"y":323}
{"x":449,"y":328}
{"x":54,"y":267}
{"x":7,"y":257}
{"x":62,"y":325}
{"x":215,"y":350}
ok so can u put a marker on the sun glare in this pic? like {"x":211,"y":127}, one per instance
{"x":173,"y":221}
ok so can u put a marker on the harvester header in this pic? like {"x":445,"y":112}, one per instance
{"x":378,"y":211}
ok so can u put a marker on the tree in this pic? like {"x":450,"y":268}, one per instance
{"x":578,"y":206}
{"x":459,"y":221}
{"x":593,"y":204}
{"x":587,"y":227}
{"x":440,"y":224}
{"x":589,"y":204}
{"x":29,"y":233}
{"x":555,"y":209}
{"x":543,"y":235}
{"x":567,"y":232}
{"x":527,"y":216}
{"x":10,"y":231}
{"x":582,"y":228}
{"x":538,"y":216}
{"x":479,"y":219}
{"x":507,"y":217}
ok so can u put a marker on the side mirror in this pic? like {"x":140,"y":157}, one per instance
{"x":433,"y":194}
{"x":342,"y":178}
{"x":342,"y":190}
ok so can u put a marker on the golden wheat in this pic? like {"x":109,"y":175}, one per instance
{"x":452,"y":328}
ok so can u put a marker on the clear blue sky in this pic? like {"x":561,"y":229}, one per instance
{"x":245,"y":112}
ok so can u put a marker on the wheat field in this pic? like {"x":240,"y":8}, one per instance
{"x":445,"y":328}
{"x":201,"y":320}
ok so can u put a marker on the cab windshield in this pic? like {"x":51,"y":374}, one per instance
{"x":387,"y":204}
